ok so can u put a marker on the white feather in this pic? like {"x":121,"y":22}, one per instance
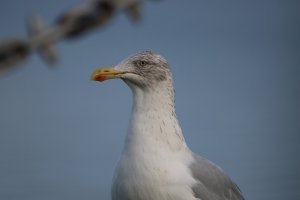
{"x":155,"y":159}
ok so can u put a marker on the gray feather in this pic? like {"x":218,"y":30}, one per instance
{"x":213,"y":183}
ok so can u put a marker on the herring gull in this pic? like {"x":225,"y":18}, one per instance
{"x":156,"y":163}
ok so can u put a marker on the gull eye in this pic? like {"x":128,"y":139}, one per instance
{"x":142,"y":63}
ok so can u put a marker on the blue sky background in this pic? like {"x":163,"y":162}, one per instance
{"x":236,"y":66}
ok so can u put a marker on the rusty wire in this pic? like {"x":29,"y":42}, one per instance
{"x":71,"y":24}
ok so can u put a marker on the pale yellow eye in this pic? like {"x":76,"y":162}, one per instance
{"x":142,"y":63}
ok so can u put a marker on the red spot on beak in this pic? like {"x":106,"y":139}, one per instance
{"x":100,"y":78}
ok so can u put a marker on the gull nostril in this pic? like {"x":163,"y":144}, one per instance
{"x":106,"y":70}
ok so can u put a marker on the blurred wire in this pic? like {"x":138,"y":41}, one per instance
{"x":72,"y":23}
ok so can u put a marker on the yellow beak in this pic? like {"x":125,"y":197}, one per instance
{"x":103,"y":74}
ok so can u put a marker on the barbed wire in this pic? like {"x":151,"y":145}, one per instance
{"x":71,"y":24}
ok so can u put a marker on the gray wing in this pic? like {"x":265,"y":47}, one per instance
{"x":213,"y":183}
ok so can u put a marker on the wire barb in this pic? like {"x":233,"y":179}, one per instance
{"x":70,"y":24}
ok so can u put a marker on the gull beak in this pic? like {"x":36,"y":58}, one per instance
{"x":103,"y":74}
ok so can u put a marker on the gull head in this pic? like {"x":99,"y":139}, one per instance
{"x":143,"y":70}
